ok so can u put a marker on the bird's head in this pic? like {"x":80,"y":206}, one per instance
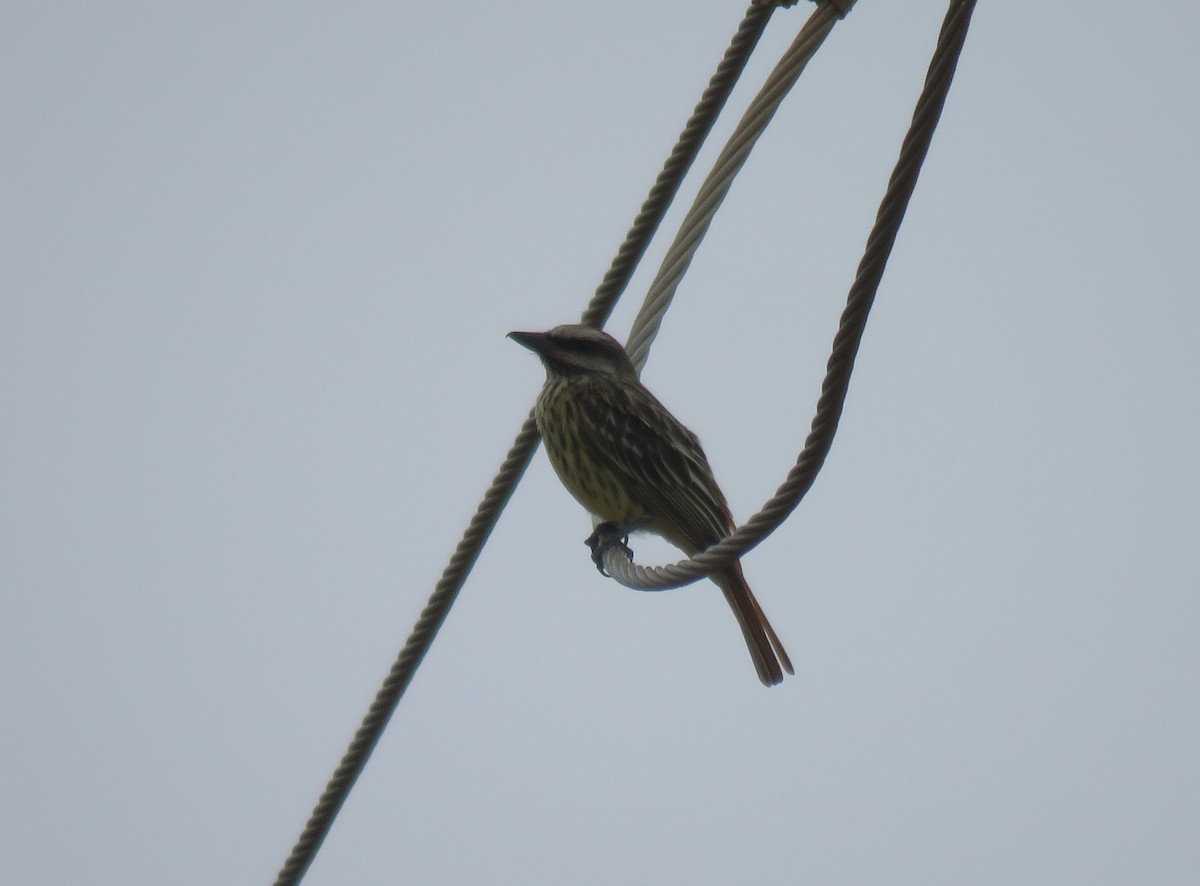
{"x":578,"y":350}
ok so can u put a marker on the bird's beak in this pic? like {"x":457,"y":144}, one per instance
{"x":535,"y":341}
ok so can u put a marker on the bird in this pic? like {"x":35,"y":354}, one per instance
{"x":632,"y":464}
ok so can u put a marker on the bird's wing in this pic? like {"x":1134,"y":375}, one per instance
{"x":662,"y":465}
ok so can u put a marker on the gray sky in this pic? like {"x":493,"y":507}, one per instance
{"x":258,"y":265}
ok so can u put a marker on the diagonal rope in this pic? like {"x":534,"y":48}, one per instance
{"x":519,"y":455}
{"x":716,"y":186}
{"x":678,"y":163}
{"x":845,"y":343}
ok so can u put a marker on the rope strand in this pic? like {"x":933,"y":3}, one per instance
{"x":715,"y":188}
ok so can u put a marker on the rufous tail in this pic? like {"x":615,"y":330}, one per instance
{"x":770,"y":658}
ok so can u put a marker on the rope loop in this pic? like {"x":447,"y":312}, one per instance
{"x":853,"y":321}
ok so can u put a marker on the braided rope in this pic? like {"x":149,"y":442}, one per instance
{"x":845,"y":343}
{"x":519,"y":455}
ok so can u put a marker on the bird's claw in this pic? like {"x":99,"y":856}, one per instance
{"x":610,"y":535}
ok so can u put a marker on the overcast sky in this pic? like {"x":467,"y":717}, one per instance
{"x":258,"y":264}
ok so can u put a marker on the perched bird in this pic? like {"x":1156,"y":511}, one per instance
{"x":632,"y":464}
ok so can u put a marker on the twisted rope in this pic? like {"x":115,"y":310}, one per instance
{"x":676,"y":166}
{"x":519,"y":455}
{"x":845,"y":343}
{"x":716,"y":186}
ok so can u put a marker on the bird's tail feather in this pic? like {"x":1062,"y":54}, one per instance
{"x":770,"y":658}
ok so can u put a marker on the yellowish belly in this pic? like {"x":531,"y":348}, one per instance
{"x":591,"y":483}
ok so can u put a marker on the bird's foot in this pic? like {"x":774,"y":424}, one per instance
{"x":610,"y":535}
